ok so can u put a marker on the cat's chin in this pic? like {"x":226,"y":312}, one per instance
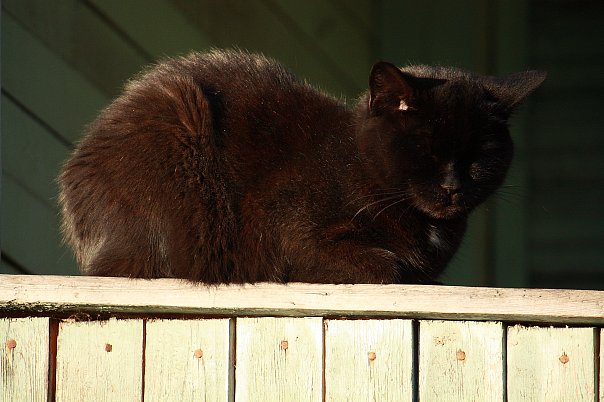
{"x":437,"y":210}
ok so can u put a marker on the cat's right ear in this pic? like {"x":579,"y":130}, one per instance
{"x":389,"y":88}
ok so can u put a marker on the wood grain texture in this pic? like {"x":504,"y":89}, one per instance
{"x":279,"y":359}
{"x":24,"y":359}
{"x":601,"y":365}
{"x":460,"y":361}
{"x":172,"y":296}
{"x":187,"y":360}
{"x":368,"y":360}
{"x":73,"y":30}
{"x":550,"y":364}
{"x":163,"y":30}
{"x":67,"y":101}
{"x":99,"y":360}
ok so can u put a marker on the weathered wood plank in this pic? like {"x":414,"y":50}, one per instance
{"x":255,"y":26}
{"x":69,"y":28}
{"x":367,"y":360}
{"x":66,"y":102}
{"x":187,"y":360}
{"x":64,"y":294}
{"x":34,"y":156}
{"x":24,"y":359}
{"x":460,"y":361}
{"x":30,"y":224}
{"x":601,"y":365}
{"x":279,"y":359}
{"x":99,"y":360}
{"x":550,"y":364}
{"x":326,"y":27}
{"x":164,"y":31}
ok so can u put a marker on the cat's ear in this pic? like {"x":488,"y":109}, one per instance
{"x":514,"y":88}
{"x":389,"y":87}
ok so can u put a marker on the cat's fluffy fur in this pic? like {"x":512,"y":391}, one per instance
{"x":224,"y":167}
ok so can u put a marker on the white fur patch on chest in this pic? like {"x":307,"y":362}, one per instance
{"x":403,"y":105}
{"x":436,"y":238}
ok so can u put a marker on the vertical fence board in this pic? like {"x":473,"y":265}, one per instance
{"x":550,"y":364}
{"x":460,"y":361}
{"x":187,"y":360}
{"x":368,"y":360}
{"x":99,"y":360}
{"x":24,"y":359}
{"x":279,"y":359}
{"x":602,"y":365}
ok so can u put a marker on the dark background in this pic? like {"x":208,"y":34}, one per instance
{"x":63,"y":60}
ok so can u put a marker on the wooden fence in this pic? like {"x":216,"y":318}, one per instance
{"x":110,"y":339}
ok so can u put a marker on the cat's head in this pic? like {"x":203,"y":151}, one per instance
{"x":440,"y":134}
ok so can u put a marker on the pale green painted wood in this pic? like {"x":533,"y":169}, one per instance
{"x":157,"y":26}
{"x":24,"y":368}
{"x":368,"y":360}
{"x":172,"y":369}
{"x":601,"y":365}
{"x":99,"y":360}
{"x":30,"y":232}
{"x":550,"y":364}
{"x":460,"y":361}
{"x":72,"y":30}
{"x":33,"y":156}
{"x":279,"y":359}
{"x":50,"y":88}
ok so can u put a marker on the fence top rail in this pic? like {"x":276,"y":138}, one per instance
{"x":60,"y":295}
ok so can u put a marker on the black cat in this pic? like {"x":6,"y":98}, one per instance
{"x":224,"y":167}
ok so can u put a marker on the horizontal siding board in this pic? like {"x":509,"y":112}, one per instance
{"x":34,"y":156}
{"x":24,"y":366}
{"x":581,"y":34}
{"x":66,"y":101}
{"x":68,"y":28}
{"x":30,"y":232}
{"x":332,"y":34}
{"x":157,"y":26}
{"x":561,"y":121}
{"x":253,"y":26}
{"x":99,"y":360}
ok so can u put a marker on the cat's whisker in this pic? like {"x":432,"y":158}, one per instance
{"x":390,"y":205}
{"x":376,"y":202}
{"x":375,"y":195}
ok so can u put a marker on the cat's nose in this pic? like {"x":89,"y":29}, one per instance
{"x":451,"y":183}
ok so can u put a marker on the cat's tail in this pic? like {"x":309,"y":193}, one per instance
{"x":143,"y":190}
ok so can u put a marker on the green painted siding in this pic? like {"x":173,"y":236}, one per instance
{"x":62,"y":61}
{"x":566,"y":145}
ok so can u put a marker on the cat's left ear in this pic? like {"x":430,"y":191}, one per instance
{"x":389,"y":88}
{"x":514,"y":88}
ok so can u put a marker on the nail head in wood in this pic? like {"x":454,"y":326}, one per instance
{"x":11,"y":344}
{"x":198,"y":353}
{"x":108,"y":347}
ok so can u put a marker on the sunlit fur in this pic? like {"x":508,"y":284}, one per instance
{"x":224,"y":167}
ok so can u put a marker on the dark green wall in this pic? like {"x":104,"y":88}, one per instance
{"x":64,"y":60}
